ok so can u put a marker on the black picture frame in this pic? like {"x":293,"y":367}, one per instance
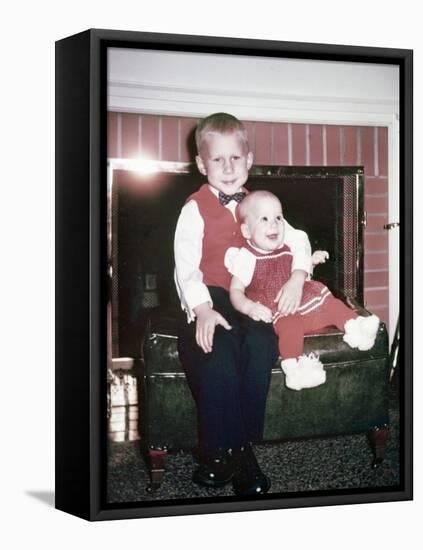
{"x":81,"y":266}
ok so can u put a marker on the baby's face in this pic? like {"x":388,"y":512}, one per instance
{"x":264,"y":225}
{"x":225,"y":160}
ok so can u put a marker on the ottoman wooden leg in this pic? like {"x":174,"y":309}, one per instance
{"x":156,"y":460}
{"x":378,"y":438}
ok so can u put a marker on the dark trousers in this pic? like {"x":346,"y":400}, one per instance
{"x":231,"y":383}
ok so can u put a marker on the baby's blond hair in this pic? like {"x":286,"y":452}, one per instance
{"x":248,"y":202}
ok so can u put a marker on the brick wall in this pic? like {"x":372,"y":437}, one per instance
{"x":167,"y":138}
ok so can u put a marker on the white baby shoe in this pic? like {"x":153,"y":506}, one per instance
{"x":306,"y":372}
{"x":361,"y":332}
{"x":290,"y":369}
{"x":369,"y":329}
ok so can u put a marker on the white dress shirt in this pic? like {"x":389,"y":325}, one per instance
{"x":188,"y":248}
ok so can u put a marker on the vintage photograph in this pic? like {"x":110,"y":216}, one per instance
{"x":253,"y":219}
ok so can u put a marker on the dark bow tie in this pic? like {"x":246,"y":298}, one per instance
{"x":225,"y":199}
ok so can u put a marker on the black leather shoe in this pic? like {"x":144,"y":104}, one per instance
{"x":248,"y":478}
{"x":214,"y":471}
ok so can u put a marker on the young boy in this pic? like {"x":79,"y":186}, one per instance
{"x":262,"y":265}
{"x":227,"y":357}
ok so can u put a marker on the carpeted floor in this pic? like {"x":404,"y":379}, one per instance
{"x":341,"y":462}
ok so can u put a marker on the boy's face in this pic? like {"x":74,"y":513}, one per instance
{"x":264,"y":225}
{"x":225,"y":161}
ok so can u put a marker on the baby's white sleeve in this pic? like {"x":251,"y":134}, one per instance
{"x":241,"y":263}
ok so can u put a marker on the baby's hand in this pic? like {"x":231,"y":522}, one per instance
{"x":319,"y":257}
{"x":259,"y":312}
{"x":289,"y":296}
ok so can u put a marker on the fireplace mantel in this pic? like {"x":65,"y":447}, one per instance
{"x":281,"y":90}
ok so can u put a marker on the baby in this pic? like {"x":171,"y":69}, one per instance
{"x":261,"y":267}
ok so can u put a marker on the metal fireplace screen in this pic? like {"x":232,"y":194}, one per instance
{"x":326,"y":202}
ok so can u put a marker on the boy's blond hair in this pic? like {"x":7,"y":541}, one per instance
{"x":221,"y":123}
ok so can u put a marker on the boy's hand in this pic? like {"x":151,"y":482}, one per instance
{"x":319,"y":257}
{"x":289,"y":296}
{"x":259,"y":312}
{"x":207,"y":320}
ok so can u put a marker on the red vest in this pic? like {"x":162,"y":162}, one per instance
{"x":221,"y":231}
